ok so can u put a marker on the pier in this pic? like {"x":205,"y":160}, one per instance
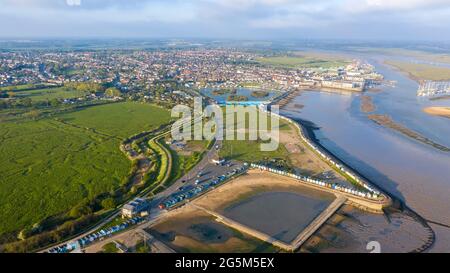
{"x":318,"y":222}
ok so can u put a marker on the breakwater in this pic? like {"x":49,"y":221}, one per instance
{"x":330,"y":159}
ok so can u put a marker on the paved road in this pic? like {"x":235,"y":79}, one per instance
{"x":94,"y":247}
{"x":114,"y":215}
{"x":209,"y":170}
{"x":187,"y":182}
{"x":85,"y":233}
{"x":191,"y":176}
{"x":156,"y":245}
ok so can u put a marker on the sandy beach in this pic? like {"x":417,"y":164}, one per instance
{"x":254,"y":182}
{"x":438,"y":111}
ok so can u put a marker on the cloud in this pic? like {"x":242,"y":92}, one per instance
{"x":73,"y":2}
{"x":212,"y":17}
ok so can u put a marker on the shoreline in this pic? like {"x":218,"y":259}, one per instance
{"x":440,"y":111}
{"x":306,"y":132}
{"x":387,"y":122}
{"x":309,"y":127}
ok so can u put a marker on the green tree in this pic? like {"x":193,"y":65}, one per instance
{"x":108,"y":203}
{"x":54,"y":102}
{"x":9,"y":88}
{"x":27,"y":102}
{"x":80,"y":210}
{"x":33,"y":114}
{"x":88,"y":87}
{"x":133,"y":190}
{"x":3,"y":104}
{"x":113,"y":92}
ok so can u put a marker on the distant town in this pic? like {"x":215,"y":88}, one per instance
{"x":166,"y":75}
{"x":108,"y":111}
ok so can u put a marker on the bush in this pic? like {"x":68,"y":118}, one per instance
{"x":108,"y":203}
{"x":69,"y":228}
{"x":24,"y":234}
{"x":80,"y":210}
{"x":113,"y":92}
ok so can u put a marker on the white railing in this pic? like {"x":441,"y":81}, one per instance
{"x":319,"y":183}
{"x":323,"y":154}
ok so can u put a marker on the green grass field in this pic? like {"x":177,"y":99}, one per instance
{"x":110,"y":248}
{"x":45,"y":94}
{"x":23,"y":87}
{"x":301,"y":62}
{"x":250,"y":150}
{"x":120,"y":119}
{"x":422,"y":71}
{"x":50,"y":165}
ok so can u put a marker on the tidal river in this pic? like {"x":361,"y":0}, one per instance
{"x":412,"y":171}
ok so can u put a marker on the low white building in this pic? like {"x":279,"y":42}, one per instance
{"x":134,"y":207}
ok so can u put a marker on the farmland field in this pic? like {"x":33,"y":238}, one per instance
{"x":422,"y":71}
{"x":299,"y":61}
{"x":44,"y":94}
{"x":50,"y":165}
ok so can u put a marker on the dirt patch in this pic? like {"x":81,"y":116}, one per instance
{"x":301,"y":157}
{"x":189,"y":147}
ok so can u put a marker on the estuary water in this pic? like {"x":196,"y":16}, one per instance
{"x":412,"y":171}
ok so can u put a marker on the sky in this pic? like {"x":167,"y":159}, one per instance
{"x":231,"y":19}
